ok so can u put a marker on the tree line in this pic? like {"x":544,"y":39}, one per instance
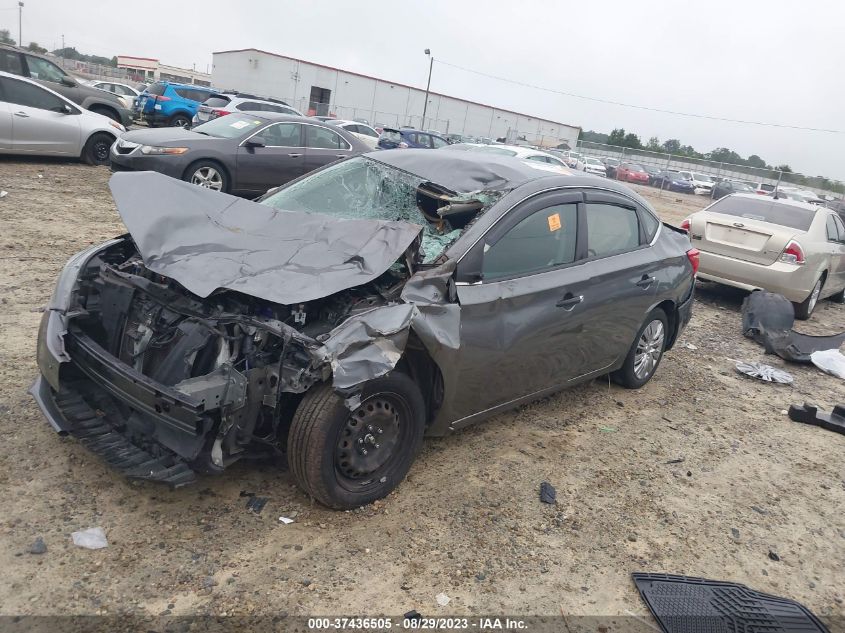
{"x":69,"y":52}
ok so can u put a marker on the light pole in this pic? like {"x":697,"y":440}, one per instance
{"x":20,"y":24}
{"x":428,"y":85}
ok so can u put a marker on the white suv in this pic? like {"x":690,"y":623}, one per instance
{"x":228,"y":102}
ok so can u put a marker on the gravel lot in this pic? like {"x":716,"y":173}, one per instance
{"x":467,"y":522}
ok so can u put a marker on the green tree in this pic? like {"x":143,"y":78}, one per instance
{"x":755,"y":161}
{"x":5,"y":37}
{"x":35,"y":48}
{"x":784,"y":168}
{"x":654,"y":144}
{"x":725,"y":155}
{"x":673,"y":146}
{"x":632,"y":140}
{"x":617,"y":136}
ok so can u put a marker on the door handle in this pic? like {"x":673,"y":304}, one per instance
{"x":341,"y":155}
{"x":646,"y":281}
{"x":22,"y":115}
{"x":569,"y":301}
{"x":294,"y":155}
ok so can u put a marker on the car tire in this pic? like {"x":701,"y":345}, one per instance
{"x":804,"y":309}
{"x":107,"y":112}
{"x":326,"y":441}
{"x":646,"y":352}
{"x":179,"y":120}
{"x":209,"y":174}
{"x":97,"y":149}
{"x":839,"y":297}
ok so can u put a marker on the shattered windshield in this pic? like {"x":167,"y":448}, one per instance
{"x":362,"y":188}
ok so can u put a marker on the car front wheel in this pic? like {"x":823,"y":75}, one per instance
{"x":96,"y":150}
{"x":208,"y":174}
{"x":348,"y":458}
{"x":646,"y":352}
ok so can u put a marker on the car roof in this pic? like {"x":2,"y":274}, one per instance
{"x":465,"y":172}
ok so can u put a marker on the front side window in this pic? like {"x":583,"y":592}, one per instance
{"x":44,"y":70}
{"x":543,"y":240}
{"x":26,"y":94}
{"x":423,"y":140}
{"x":438,"y":142}
{"x":611,"y":229}
{"x":323,"y":138}
{"x":282,"y":135}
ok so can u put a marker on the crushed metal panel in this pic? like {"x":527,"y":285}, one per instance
{"x":207,"y":240}
{"x":223,"y":387}
{"x":768,"y":318}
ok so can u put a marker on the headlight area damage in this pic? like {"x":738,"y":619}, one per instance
{"x":190,"y":344}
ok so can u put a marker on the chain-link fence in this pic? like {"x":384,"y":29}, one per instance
{"x":718,"y":170}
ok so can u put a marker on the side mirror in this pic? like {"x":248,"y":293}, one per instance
{"x":255,"y":141}
{"x":67,"y":81}
{"x":66,"y":109}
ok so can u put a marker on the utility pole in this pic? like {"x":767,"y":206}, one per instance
{"x":63,"y":50}
{"x":20,"y":23}
{"x":427,"y":86}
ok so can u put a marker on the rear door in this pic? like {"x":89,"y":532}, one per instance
{"x":39,"y":124}
{"x":749,"y":228}
{"x":323,"y":146}
{"x":5,"y":121}
{"x":523,"y":323}
{"x":281,"y":159}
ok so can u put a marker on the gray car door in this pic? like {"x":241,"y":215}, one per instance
{"x":40,"y":123}
{"x":523,"y":321}
{"x":280,"y":160}
{"x":5,"y":123}
{"x":625,"y":273}
{"x":323,"y":146}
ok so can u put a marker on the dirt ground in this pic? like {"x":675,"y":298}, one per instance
{"x":467,"y":522}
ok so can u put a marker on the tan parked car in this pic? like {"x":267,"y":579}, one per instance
{"x":793,"y":248}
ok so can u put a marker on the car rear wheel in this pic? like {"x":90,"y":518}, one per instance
{"x":348,"y":458}
{"x":96,"y":150}
{"x":180,"y":120}
{"x":646,"y":352}
{"x":804,"y":309}
{"x":208,"y":174}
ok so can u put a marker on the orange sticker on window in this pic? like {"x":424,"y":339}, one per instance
{"x":554,"y":222}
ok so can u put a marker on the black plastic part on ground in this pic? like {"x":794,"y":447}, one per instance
{"x":768,"y":318}
{"x":682,"y":604}
{"x":809,"y":414}
{"x":548,"y":494}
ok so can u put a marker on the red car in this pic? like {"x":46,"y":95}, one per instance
{"x":629,"y":172}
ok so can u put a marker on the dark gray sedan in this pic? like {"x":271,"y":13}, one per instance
{"x":243,"y":154}
{"x":344,"y":316}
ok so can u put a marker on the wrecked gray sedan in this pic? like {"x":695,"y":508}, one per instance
{"x":347,"y":314}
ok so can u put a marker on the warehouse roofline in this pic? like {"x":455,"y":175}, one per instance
{"x":395,"y":83}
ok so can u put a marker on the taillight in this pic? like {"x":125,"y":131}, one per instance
{"x":162,"y":98}
{"x":694,"y":256}
{"x":218,"y":113}
{"x":685,"y":225}
{"x":793,"y":253}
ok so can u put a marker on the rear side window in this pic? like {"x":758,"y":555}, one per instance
{"x":157,"y":88}
{"x":280,"y":109}
{"x":323,"y":138}
{"x":650,"y":224}
{"x":611,"y":229}
{"x":766,"y":210}
{"x":217,"y":102}
{"x":438,"y":142}
{"x":832,"y":229}
{"x":543,"y":240}
{"x":251,"y":106}
{"x":10,"y":62}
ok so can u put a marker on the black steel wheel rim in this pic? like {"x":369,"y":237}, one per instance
{"x":370,"y":440}
{"x":101,"y":151}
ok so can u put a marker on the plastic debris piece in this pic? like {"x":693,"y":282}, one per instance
{"x":830,"y":361}
{"x":413,"y":615}
{"x":765,"y":372}
{"x":256,"y":504}
{"x":810,"y":414}
{"x":548,"y":494}
{"x":607,"y":429}
{"x":92,"y":538}
{"x":38,"y":546}
{"x":442,"y":599}
{"x":285,"y":520}
{"x":3,"y":194}
{"x":691,"y":346}
{"x":679,"y":460}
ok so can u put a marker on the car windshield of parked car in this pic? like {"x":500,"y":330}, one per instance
{"x":362,"y":188}
{"x":638,"y":168}
{"x":765,"y":210}
{"x":703,"y":177}
{"x":229,"y":126}
{"x":593,"y":161}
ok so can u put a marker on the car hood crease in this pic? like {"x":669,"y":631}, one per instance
{"x":207,"y":240}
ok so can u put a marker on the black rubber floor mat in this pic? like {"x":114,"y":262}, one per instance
{"x":682,"y":604}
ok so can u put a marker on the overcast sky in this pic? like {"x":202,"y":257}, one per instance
{"x":771,"y":61}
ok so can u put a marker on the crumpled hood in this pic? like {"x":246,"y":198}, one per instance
{"x":207,"y":240}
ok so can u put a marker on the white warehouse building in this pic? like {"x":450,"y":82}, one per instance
{"x":315,"y":89}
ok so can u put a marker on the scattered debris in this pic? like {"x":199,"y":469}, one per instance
{"x":413,"y":615}
{"x":809,"y":414}
{"x":442,"y":599}
{"x":92,"y":538}
{"x":38,"y":546}
{"x":679,"y":460}
{"x":691,"y":346}
{"x":607,"y":429}
{"x":285,"y":520}
{"x":735,"y":533}
{"x":246,"y":493}
{"x":764,"y":372}
{"x":3,"y":194}
{"x":768,"y":319}
{"x":773,"y":555}
{"x":679,"y":604}
{"x":830,"y":361}
{"x":548,"y":494}
{"x":256,"y":504}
